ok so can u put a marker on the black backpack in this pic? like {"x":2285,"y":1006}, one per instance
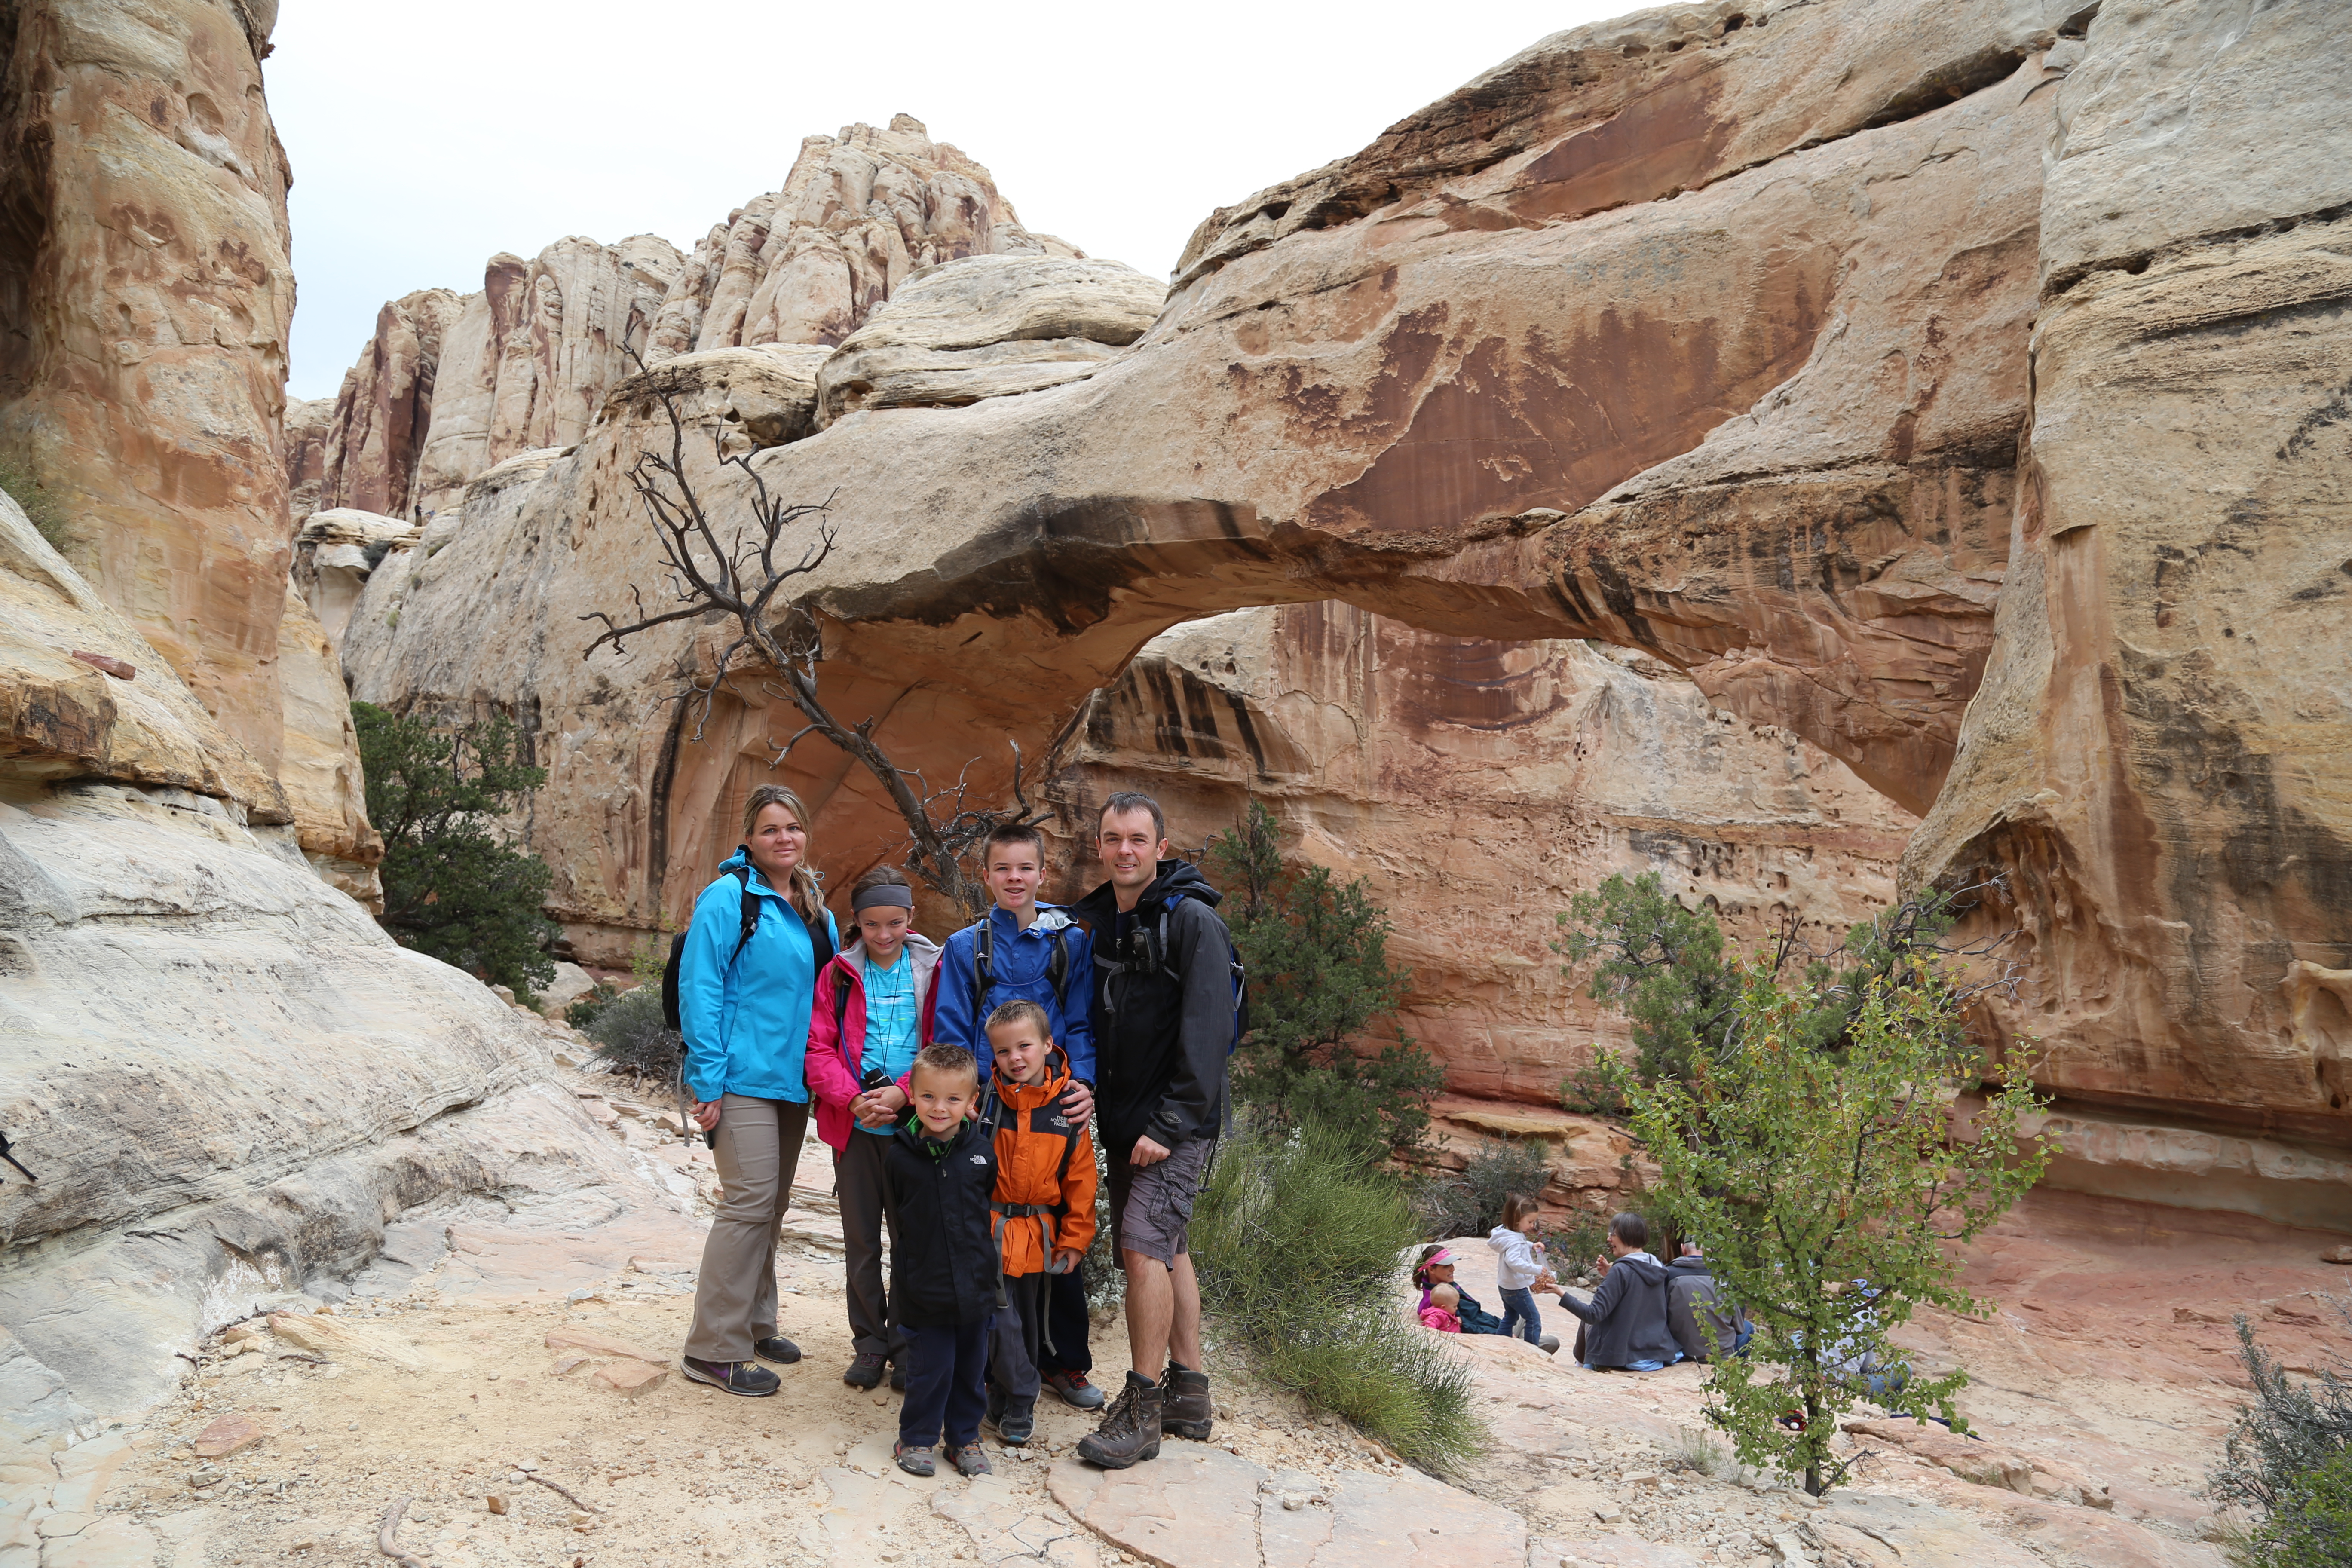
{"x":820,"y":932}
{"x":1158,"y":955}
{"x":983,"y":958}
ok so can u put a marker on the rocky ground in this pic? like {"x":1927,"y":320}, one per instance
{"x":516,"y":1383}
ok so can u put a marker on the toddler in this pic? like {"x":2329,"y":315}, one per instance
{"x":1519,"y":1268}
{"x":1443,"y":1313}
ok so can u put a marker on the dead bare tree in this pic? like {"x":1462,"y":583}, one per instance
{"x":747,"y":574}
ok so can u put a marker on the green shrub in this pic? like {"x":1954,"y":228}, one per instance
{"x":1299,"y":1241}
{"x":1319,"y":981}
{"x":451,"y":888}
{"x":633,"y":1036}
{"x":587,"y":1009}
{"x":41,"y":507}
{"x":1471,"y":1203}
{"x":2289,"y":1461}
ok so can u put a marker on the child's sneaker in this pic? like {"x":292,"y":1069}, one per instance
{"x":1075,"y":1389}
{"x":1016,"y":1421}
{"x":915,"y":1461}
{"x":970,"y":1459}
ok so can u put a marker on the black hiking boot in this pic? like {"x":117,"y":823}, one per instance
{"x":747,"y":1378}
{"x":1184,"y":1407}
{"x":864,"y":1370}
{"x":1130,"y":1429}
{"x":777,"y":1348}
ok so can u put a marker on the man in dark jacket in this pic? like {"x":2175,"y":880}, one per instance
{"x":1163,"y":1025}
{"x":1705,"y":1325}
{"x":1625,"y":1324}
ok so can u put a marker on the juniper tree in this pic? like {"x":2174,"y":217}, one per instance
{"x":1319,"y":982}
{"x":452,"y":888}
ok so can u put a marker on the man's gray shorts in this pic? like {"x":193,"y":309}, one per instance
{"x":1152,"y":1206}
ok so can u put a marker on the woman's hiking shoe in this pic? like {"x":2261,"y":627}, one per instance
{"x":1075,"y":1389}
{"x":747,"y":1378}
{"x":1016,"y":1421}
{"x":777,"y":1348}
{"x":914,"y":1461}
{"x":1130,"y":1429}
{"x":864,"y":1371}
{"x":969,"y":1459}
{"x":1184,"y":1403}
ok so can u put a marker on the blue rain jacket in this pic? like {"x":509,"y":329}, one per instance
{"x":1020,"y":966}
{"x":746,"y":1022}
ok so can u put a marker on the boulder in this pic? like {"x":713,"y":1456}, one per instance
{"x":335,"y":553}
{"x":987,"y":326}
{"x":768,"y":393}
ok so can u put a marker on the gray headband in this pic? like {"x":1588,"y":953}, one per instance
{"x":896,"y":894}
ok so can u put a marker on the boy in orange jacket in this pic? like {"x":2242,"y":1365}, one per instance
{"x":1044,"y":1207}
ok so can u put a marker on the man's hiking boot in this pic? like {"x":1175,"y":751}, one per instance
{"x":914,"y":1461}
{"x":777,"y":1348}
{"x":1130,"y":1429}
{"x":970,"y":1459}
{"x":1074,"y":1390}
{"x":864,"y":1371}
{"x":1184,"y":1408}
{"x":1016,"y":1421}
{"x":747,"y":1378}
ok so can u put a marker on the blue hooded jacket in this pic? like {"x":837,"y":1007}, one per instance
{"x":746,"y":1022}
{"x":1020,"y":966}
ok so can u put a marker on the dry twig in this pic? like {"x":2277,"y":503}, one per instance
{"x":561,"y":1492}
{"x":384,"y":1537}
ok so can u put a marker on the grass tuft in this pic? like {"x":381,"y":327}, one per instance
{"x":1299,"y":1241}
{"x":42,"y":508}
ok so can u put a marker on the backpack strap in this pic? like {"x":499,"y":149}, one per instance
{"x":749,"y":912}
{"x":840,"y":1000}
{"x":1057,"y":967}
{"x":983,"y":954}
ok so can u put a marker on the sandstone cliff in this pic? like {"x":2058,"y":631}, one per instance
{"x":449,"y":386}
{"x":145,"y":289}
{"x":1712,"y":333}
{"x":1478,"y":786}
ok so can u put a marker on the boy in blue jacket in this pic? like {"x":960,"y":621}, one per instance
{"x":1025,"y":951}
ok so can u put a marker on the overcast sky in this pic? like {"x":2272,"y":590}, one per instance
{"x":426,"y":137}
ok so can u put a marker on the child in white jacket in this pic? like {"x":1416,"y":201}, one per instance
{"x":1519,"y":1266}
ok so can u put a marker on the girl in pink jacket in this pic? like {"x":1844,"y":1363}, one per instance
{"x":871,"y":1015}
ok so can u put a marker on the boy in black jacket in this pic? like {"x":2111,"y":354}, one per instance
{"x":941,"y":1173}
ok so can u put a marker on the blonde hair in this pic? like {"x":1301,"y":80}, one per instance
{"x":1021,"y":1010}
{"x":804,"y":890}
{"x":1445,"y":1296}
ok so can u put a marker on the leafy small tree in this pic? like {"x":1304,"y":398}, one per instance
{"x":1825,"y":1184}
{"x":1665,"y":967}
{"x":2289,"y":1460}
{"x":1319,"y":979}
{"x":451,"y":888}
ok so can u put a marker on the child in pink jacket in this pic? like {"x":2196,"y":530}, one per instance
{"x":871,"y":1015}
{"x":1442,"y":1313}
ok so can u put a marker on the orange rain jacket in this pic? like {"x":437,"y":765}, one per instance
{"x":1044,"y":1171}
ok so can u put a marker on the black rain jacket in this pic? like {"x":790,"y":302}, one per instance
{"x":944,"y":1257}
{"x":1163,"y":1021}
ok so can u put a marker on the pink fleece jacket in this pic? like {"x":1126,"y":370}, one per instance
{"x":834,"y":1055}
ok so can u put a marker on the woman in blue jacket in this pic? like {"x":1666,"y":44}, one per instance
{"x":743,"y":994}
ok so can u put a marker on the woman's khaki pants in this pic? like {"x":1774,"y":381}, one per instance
{"x":735,"y":1299}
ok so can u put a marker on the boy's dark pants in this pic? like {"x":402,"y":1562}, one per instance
{"x":1066,"y":1323}
{"x":1015,"y":1346}
{"x":947,"y":1372}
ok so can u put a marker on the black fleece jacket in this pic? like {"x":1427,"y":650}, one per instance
{"x":1627,"y":1320}
{"x":944,"y":1255}
{"x":1163,"y":1021}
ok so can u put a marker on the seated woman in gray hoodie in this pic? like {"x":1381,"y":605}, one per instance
{"x":1626,"y":1326}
